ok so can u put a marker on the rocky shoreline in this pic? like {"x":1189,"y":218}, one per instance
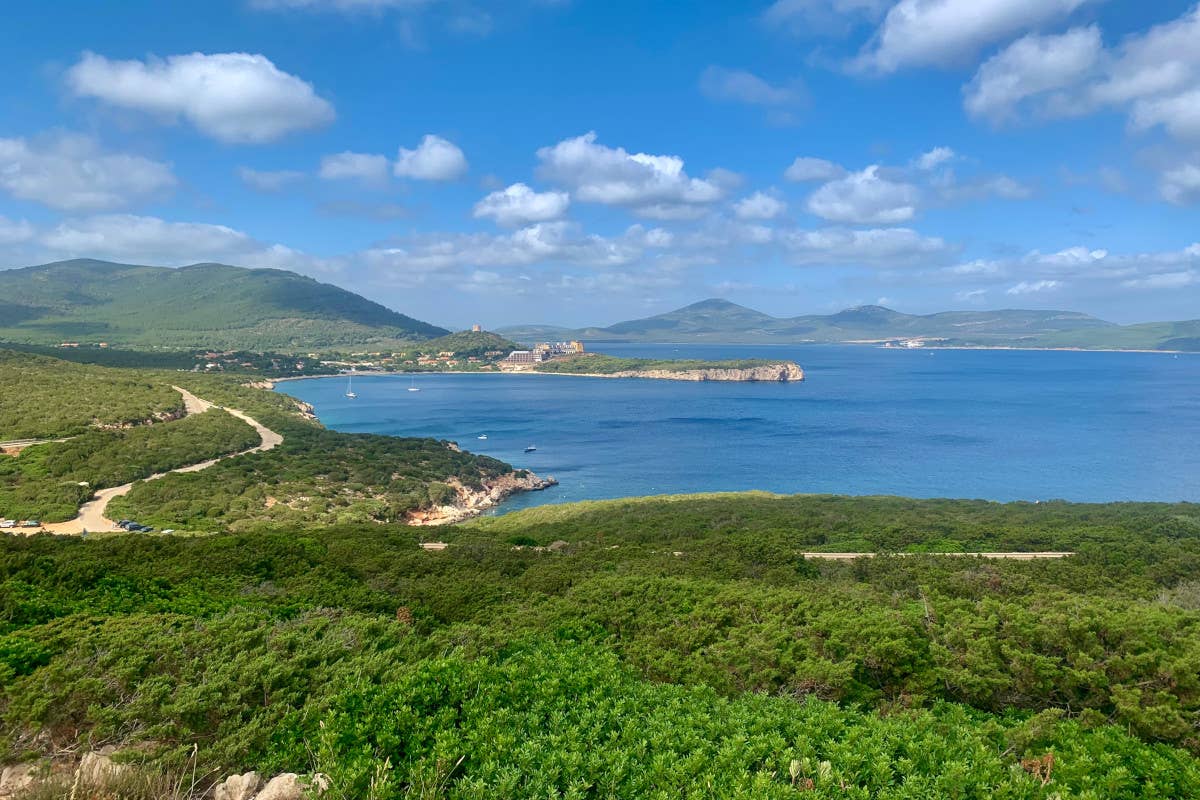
{"x":472,"y":502}
{"x":783,"y":372}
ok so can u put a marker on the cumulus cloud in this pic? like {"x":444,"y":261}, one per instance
{"x":1032,"y":66}
{"x":1164,"y":280}
{"x":865,"y":198}
{"x":1153,"y":76}
{"x":561,"y":242}
{"x":269,"y":181}
{"x":519,"y":204}
{"x":365,"y":167}
{"x":1181,"y":184}
{"x":233,"y":97}
{"x":71,"y":173}
{"x":434,"y":159}
{"x":14,"y":231}
{"x":1033,"y":287}
{"x":876,"y":247}
{"x":137,"y":239}
{"x":941,"y":32}
{"x":1095,"y":268}
{"x":805,"y":169}
{"x":653,"y":185}
{"x":934,"y":158}
{"x":759,"y":206}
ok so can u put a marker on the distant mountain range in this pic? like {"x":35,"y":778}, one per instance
{"x":720,"y":321}
{"x":204,"y":305}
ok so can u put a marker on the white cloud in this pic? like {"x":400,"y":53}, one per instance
{"x":865,"y":198}
{"x":71,"y":173}
{"x":233,"y":97}
{"x":805,"y":169}
{"x":434,"y":159}
{"x":877,"y":247}
{"x":561,"y":242}
{"x":740,"y":86}
{"x":1032,"y":66}
{"x":269,"y":181}
{"x":14,"y":231}
{"x":1164,"y":280}
{"x":942,"y":32}
{"x":1081,"y":266}
{"x":1033,"y":287}
{"x":934,"y":158}
{"x":1181,"y":184}
{"x":1154,"y":77}
{"x":136,"y":239}
{"x":759,"y":206}
{"x":365,"y":167}
{"x":654,"y":185}
{"x":519,"y":205}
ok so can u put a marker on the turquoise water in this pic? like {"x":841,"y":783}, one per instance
{"x":999,"y":425}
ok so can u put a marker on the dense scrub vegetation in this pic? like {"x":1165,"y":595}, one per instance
{"x":237,"y":361}
{"x":663,"y":648}
{"x":49,"y":482}
{"x":598,"y":364}
{"x":466,"y":343}
{"x":44,"y":397}
{"x":314,"y":477}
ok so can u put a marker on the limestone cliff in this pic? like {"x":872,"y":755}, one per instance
{"x":783,"y":372}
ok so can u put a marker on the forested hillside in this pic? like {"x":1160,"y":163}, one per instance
{"x":665,"y":647}
{"x":204,"y":305}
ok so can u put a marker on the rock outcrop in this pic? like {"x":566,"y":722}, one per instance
{"x":470,"y":502}
{"x":238,"y":787}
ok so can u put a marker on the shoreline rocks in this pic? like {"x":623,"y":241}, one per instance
{"x":783,"y":372}
{"x":471,"y":502}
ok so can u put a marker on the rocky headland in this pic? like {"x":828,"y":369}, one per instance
{"x":783,"y":372}
{"x":470,"y":502}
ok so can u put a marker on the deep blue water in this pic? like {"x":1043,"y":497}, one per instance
{"x":999,"y":425}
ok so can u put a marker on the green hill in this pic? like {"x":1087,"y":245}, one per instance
{"x":720,"y":321}
{"x":467,"y":343}
{"x":203,"y":305}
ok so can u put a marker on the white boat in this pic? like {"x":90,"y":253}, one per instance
{"x":530,"y":449}
{"x":413,"y":386}
{"x":481,"y":436}
{"x":350,"y":388}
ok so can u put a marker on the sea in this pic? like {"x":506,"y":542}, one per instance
{"x":988,"y":424}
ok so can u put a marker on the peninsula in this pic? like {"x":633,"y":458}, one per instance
{"x":596,"y":365}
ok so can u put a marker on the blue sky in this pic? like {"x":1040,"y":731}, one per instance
{"x":582,"y":162}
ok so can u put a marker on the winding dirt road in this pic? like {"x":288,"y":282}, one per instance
{"x":91,"y":514}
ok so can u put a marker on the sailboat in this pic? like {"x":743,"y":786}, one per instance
{"x":481,"y":436}
{"x":350,"y":388}
{"x":412,"y":387}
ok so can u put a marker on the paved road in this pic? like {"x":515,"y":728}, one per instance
{"x":91,"y":514}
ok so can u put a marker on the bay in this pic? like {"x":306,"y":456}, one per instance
{"x":989,"y":424}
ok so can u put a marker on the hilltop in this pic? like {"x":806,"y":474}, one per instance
{"x":203,"y":305}
{"x":722,"y":321}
